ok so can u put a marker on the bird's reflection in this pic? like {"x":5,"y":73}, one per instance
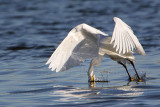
{"x":96,"y":89}
{"x":71,"y":94}
{"x":94,"y":92}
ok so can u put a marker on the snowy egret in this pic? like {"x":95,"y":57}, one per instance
{"x":84,"y":42}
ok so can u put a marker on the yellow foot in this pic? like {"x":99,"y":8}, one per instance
{"x":140,"y":80}
{"x":133,"y":79}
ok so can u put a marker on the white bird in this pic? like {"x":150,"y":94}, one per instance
{"x":84,"y":42}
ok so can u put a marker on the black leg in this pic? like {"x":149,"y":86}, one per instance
{"x":134,"y":69}
{"x":124,"y":65}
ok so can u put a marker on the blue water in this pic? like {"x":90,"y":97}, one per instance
{"x":31,"y":30}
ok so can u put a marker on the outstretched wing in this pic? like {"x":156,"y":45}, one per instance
{"x":81,"y":43}
{"x":124,"y":38}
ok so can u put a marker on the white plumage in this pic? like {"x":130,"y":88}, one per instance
{"x":80,"y":43}
{"x":124,"y":38}
{"x":84,"y":42}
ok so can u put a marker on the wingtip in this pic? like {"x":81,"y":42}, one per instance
{"x":46,"y":63}
{"x":115,"y":18}
{"x":141,"y":50}
{"x":144,"y":54}
{"x":52,"y":69}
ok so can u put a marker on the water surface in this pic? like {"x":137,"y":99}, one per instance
{"x":31,"y":30}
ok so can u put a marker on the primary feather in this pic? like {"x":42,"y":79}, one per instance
{"x":124,"y":38}
{"x":81,"y":43}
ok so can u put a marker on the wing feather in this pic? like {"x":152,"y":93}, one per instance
{"x":124,"y":39}
{"x":81,"y":43}
{"x":127,"y":42}
{"x":117,"y":43}
{"x":124,"y":49}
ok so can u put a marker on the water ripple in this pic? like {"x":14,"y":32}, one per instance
{"x":31,"y":30}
